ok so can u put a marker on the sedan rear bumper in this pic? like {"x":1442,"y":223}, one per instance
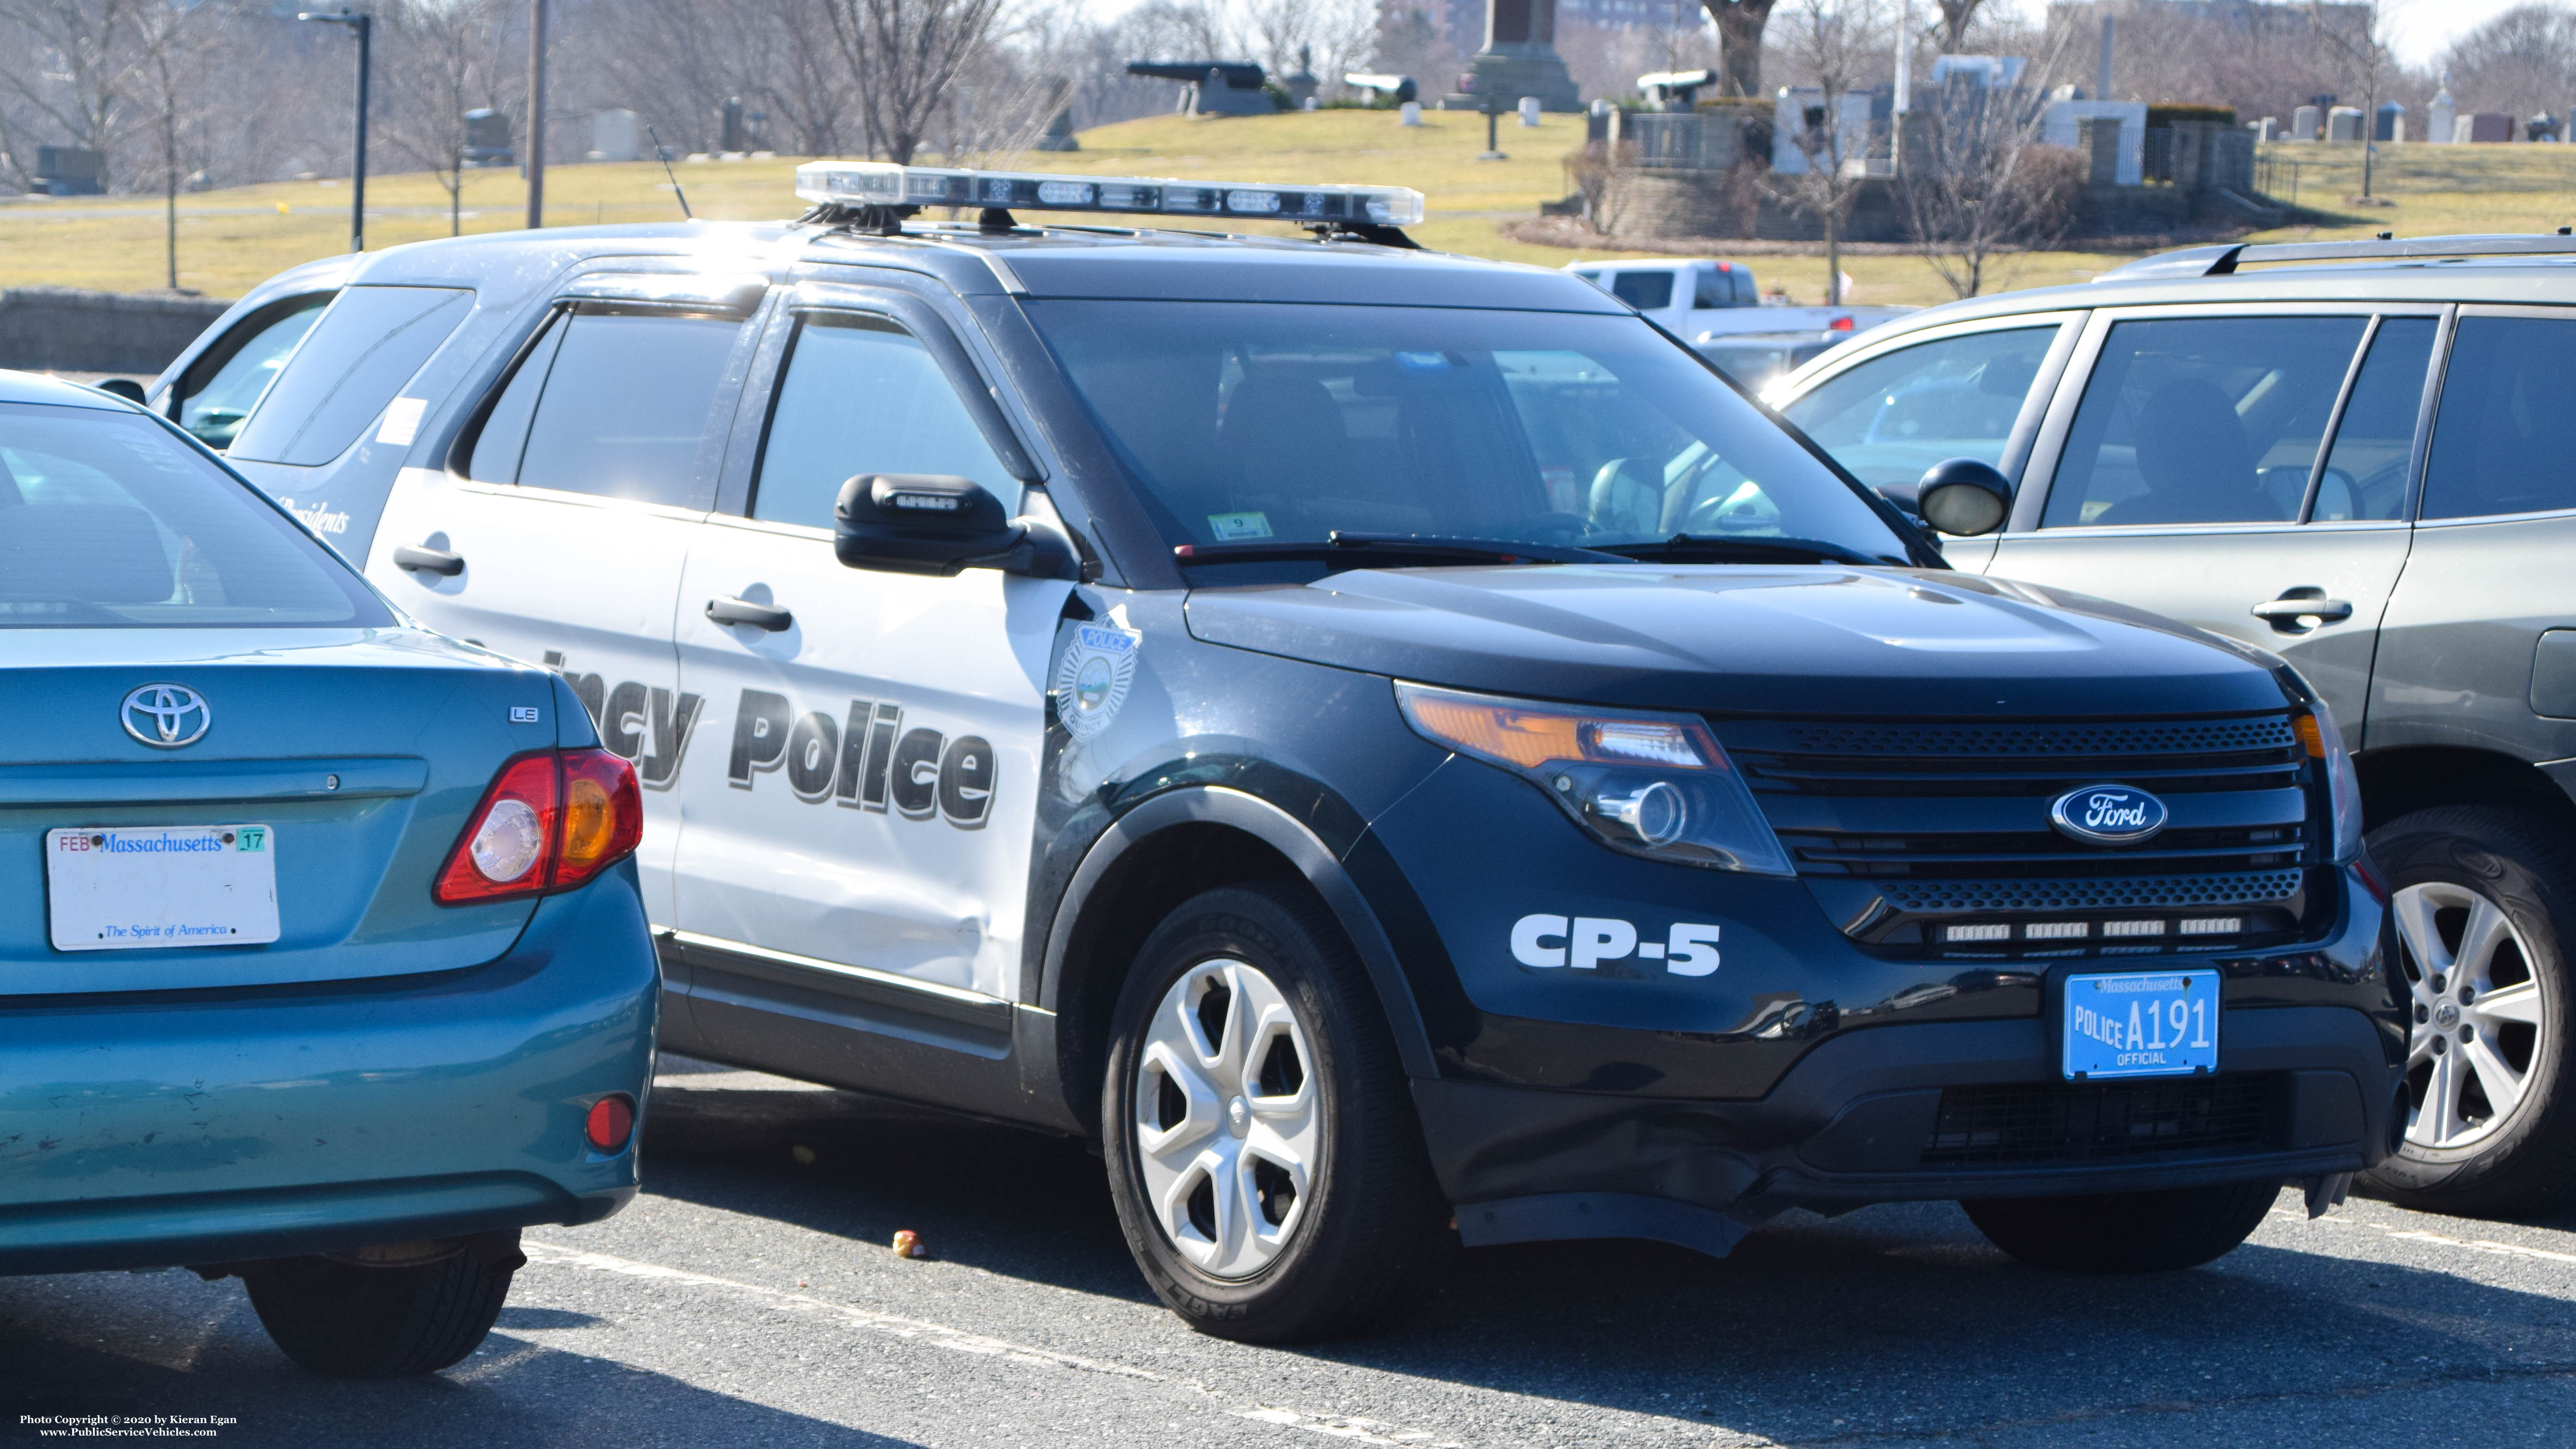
{"x":142,"y":1130}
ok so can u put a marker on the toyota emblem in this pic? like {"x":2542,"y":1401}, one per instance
{"x":166,"y":716}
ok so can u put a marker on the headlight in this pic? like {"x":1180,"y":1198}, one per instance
{"x":2343,"y":785}
{"x":1652,"y":785}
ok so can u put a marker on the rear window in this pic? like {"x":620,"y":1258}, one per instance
{"x":351,"y":365}
{"x":229,"y":378}
{"x":1644,"y":291}
{"x":108,"y":521}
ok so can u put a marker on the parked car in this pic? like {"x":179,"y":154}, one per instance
{"x":325,"y":962}
{"x":1386,"y":745}
{"x":1703,"y":302}
{"x":2354,"y":455}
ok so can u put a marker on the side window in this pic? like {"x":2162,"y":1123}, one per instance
{"x":215,"y":396}
{"x":1894,"y":416}
{"x":358,"y":356}
{"x":625,"y":404}
{"x":1644,"y":291}
{"x":2365,"y":474}
{"x":2203,"y":420}
{"x":861,"y":395}
{"x":1712,"y":288}
{"x":2505,"y":432}
{"x":504,"y":435}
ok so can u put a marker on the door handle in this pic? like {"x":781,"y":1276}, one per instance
{"x":731,"y":610}
{"x":2301,"y":609}
{"x":429,"y":560}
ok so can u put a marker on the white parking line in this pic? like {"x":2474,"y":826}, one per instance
{"x":937,"y":1335}
{"x":2417,"y":1235}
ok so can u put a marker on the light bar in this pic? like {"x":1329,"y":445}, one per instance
{"x":882,"y":183}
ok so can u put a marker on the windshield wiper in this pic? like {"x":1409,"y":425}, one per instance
{"x":1719,"y":548}
{"x":1385,"y":548}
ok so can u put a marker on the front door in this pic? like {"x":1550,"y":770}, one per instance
{"x":2244,"y":473}
{"x":562,"y":542}
{"x":863,"y":806}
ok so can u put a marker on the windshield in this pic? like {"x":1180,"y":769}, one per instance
{"x":107,"y":521}
{"x":1249,"y":423}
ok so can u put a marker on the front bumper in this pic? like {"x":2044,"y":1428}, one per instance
{"x":227,"y":1125}
{"x":1860,"y":1119}
{"x":1626,"y":1098}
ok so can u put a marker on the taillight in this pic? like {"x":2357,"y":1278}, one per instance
{"x":1839,"y":324}
{"x":550,"y":821}
{"x":610,"y":1122}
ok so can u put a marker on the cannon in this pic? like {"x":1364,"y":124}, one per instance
{"x":1215,"y":87}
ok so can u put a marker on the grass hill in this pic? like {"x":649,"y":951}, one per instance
{"x":232,"y":238}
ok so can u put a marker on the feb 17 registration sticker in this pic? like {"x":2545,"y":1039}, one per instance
{"x":158,"y":886}
{"x":2140,"y":1024}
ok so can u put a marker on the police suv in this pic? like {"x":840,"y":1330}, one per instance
{"x":1390,"y":745}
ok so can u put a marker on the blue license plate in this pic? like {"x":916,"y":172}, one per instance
{"x":2140,"y":1024}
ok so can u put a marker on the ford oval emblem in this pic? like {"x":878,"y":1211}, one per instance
{"x":2107,"y":815}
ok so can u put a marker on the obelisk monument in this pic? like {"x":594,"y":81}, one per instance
{"x":1518,"y":59}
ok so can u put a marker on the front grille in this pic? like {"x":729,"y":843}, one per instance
{"x":1905,"y":828}
{"x":2038,"y":1122}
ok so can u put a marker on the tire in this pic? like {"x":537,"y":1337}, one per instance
{"x":1276,"y":1190}
{"x":2485,"y":900}
{"x":2125,"y":1232}
{"x":353,"y":1320}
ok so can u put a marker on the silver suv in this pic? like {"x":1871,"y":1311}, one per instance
{"x":2360,"y":456}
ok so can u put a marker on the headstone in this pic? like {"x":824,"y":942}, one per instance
{"x":487,"y":139}
{"x":2303,"y":123}
{"x":2388,"y":123}
{"x":2097,"y":138}
{"x":67,"y":171}
{"x":2268,"y":129}
{"x":1529,"y":110}
{"x":1411,"y":113}
{"x":616,"y":136}
{"x":2440,"y":117}
{"x":2488,"y":127}
{"x":2343,"y":123}
{"x":1059,"y":131}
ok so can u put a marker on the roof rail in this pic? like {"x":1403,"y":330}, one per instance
{"x":2220,"y":261}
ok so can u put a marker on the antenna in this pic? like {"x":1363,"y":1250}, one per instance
{"x":665,"y":158}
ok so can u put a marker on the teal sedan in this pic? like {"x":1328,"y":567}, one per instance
{"x":322,"y":961}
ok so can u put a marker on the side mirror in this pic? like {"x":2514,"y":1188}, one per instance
{"x":925,"y":523}
{"x":1963,"y":496}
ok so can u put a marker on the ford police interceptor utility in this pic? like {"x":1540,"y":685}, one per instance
{"x":1390,"y":745}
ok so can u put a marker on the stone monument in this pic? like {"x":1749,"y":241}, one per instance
{"x":1518,"y":59}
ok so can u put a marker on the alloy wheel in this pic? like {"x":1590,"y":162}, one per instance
{"x":1227,"y":1118}
{"x":2479,"y":1012}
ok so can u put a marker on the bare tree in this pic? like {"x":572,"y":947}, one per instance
{"x":1740,"y":24}
{"x":162,"y":70}
{"x":904,"y":55}
{"x":442,"y":58}
{"x":2355,"y":38}
{"x":1956,"y":16}
{"x":1834,"y":45}
{"x":1977,"y":181}
{"x":65,"y":67}
{"x":2523,"y":61}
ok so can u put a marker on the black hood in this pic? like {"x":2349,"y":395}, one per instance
{"x":1787,"y":641}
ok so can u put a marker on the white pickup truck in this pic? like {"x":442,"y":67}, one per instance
{"x":1718,"y":309}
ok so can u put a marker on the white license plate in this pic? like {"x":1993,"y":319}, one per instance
{"x":137,"y":887}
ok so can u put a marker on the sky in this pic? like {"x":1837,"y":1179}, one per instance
{"x":2419,"y":29}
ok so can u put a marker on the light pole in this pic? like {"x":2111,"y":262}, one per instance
{"x":536,"y":114}
{"x":365,"y":26}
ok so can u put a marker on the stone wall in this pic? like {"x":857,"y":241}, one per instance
{"x":65,"y":329}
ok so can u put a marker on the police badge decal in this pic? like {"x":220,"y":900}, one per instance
{"x":1091,"y":680}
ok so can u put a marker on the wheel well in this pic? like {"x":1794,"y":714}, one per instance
{"x":1145,"y":884}
{"x":2401,"y":781}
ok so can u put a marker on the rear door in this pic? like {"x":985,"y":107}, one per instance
{"x":2479,"y":648}
{"x":559,"y":532}
{"x":862,"y":812}
{"x":2245,"y":470}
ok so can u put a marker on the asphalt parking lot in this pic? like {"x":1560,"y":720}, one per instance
{"x":748,"y":1297}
